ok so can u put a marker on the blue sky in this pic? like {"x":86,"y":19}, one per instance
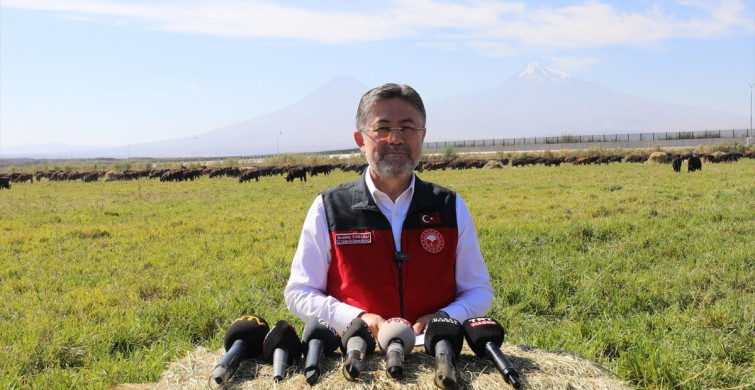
{"x":118,"y":72}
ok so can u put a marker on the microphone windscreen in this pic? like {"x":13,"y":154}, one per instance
{"x":317,"y":329}
{"x":358,"y":328}
{"x":396,"y":328}
{"x":444,"y":329}
{"x":251,"y":329}
{"x":481,"y":330}
{"x":281,"y":335}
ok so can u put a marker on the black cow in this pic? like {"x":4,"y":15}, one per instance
{"x":4,"y":183}
{"x":173,"y":175}
{"x":676,"y":163}
{"x":91,"y":177}
{"x":435,"y":165}
{"x":24,"y":177}
{"x":249,"y":174}
{"x":694,"y":164}
{"x":297,"y":172}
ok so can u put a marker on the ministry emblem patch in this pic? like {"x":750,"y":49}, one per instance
{"x":432,"y":241}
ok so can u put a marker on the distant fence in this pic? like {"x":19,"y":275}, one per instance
{"x":635,"y":140}
{"x":630,"y":139}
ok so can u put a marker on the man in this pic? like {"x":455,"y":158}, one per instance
{"x":388,"y":244}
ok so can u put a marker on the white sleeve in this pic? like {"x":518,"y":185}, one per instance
{"x":305,"y":291}
{"x":474,"y":293}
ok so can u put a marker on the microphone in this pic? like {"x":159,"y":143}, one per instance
{"x":242,"y":340}
{"x":444,"y":338}
{"x":357,"y":342}
{"x":396,"y":338}
{"x":281,"y":347}
{"x":485,"y":336}
{"x":319,"y":338}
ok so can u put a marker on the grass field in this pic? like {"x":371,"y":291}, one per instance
{"x":650,"y":273}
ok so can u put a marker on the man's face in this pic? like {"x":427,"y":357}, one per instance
{"x":397,"y":154}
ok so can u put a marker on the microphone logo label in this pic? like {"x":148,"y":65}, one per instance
{"x":432,"y":241}
{"x":251,"y":318}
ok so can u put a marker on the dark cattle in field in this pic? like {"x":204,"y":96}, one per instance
{"x":634,"y":158}
{"x":173,"y":175}
{"x":24,"y":177}
{"x":694,"y":164}
{"x":90,"y":177}
{"x":318,"y":169}
{"x":523,"y":161}
{"x":4,"y":183}
{"x":435,"y":165}
{"x":586,"y":160}
{"x":249,"y":174}
{"x":359,"y":168}
{"x":676,"y":163}
{"x":156,"y":173}
{"x":297,"y":173}
{"x":191,"y":174}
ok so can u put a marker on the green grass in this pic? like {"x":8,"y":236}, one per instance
{"x":647,"y":272}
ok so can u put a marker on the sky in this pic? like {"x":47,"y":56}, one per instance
{"x":120,"y":72}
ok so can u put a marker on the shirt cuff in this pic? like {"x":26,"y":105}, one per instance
{"x":343,"y":316}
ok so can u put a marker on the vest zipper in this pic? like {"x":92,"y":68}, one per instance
{"x":400,"y":258}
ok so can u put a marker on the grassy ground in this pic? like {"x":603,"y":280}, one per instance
{"x":648,"y":272}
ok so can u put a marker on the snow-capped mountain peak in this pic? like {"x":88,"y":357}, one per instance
{"x":541,"y":75}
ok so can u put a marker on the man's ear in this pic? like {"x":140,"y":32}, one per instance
{"x":358,"y":137}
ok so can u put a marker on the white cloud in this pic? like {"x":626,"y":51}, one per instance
{"x":499,"y":27}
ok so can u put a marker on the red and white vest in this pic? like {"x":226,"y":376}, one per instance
{"x":367,"y":272}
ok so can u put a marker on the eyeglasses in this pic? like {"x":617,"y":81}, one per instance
{"x":384,"y":132}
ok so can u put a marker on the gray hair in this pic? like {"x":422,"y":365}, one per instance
{"x":389,"y":91}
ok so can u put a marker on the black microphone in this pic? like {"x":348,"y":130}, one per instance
{"x":356,"y":343}
{"x":396,"y":338}
{"x":485,"y":336}
{"x":242,"y":340}
{"x":281,"y":347}
{"x":318,"y":338}
{"x":444,"y":338}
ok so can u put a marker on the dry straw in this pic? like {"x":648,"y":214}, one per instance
{"x":538,"y":369}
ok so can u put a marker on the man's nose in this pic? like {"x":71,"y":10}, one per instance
{"x":396,"y":136}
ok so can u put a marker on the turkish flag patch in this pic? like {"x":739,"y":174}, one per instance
{"x":429,"y":218}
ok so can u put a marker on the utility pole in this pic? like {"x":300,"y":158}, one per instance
{"x":277,"y":142}
{"x":749,"y":133}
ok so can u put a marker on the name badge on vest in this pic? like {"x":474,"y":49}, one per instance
{"x":353,"y":238}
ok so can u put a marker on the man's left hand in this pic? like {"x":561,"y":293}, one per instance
{"x":421,"y":324}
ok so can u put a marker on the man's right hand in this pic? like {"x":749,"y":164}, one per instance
{"x":373,"y":321}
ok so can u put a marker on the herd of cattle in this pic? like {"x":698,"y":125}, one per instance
{"x":291,"y":173}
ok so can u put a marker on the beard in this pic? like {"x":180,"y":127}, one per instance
{"x":392,"y":166}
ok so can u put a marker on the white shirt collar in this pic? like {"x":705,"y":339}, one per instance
{"x":375,"y":192}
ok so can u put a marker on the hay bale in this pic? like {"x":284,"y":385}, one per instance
{"x":538,"y":369}
{"x":493,"y":164}
{"x":659,"y":158}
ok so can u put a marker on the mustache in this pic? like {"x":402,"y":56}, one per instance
{"x":395,"y":148}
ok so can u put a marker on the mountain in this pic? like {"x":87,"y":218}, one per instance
{"x":542,"y":102}
{"x":324,"y":120}
{"x":536,"y":102}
